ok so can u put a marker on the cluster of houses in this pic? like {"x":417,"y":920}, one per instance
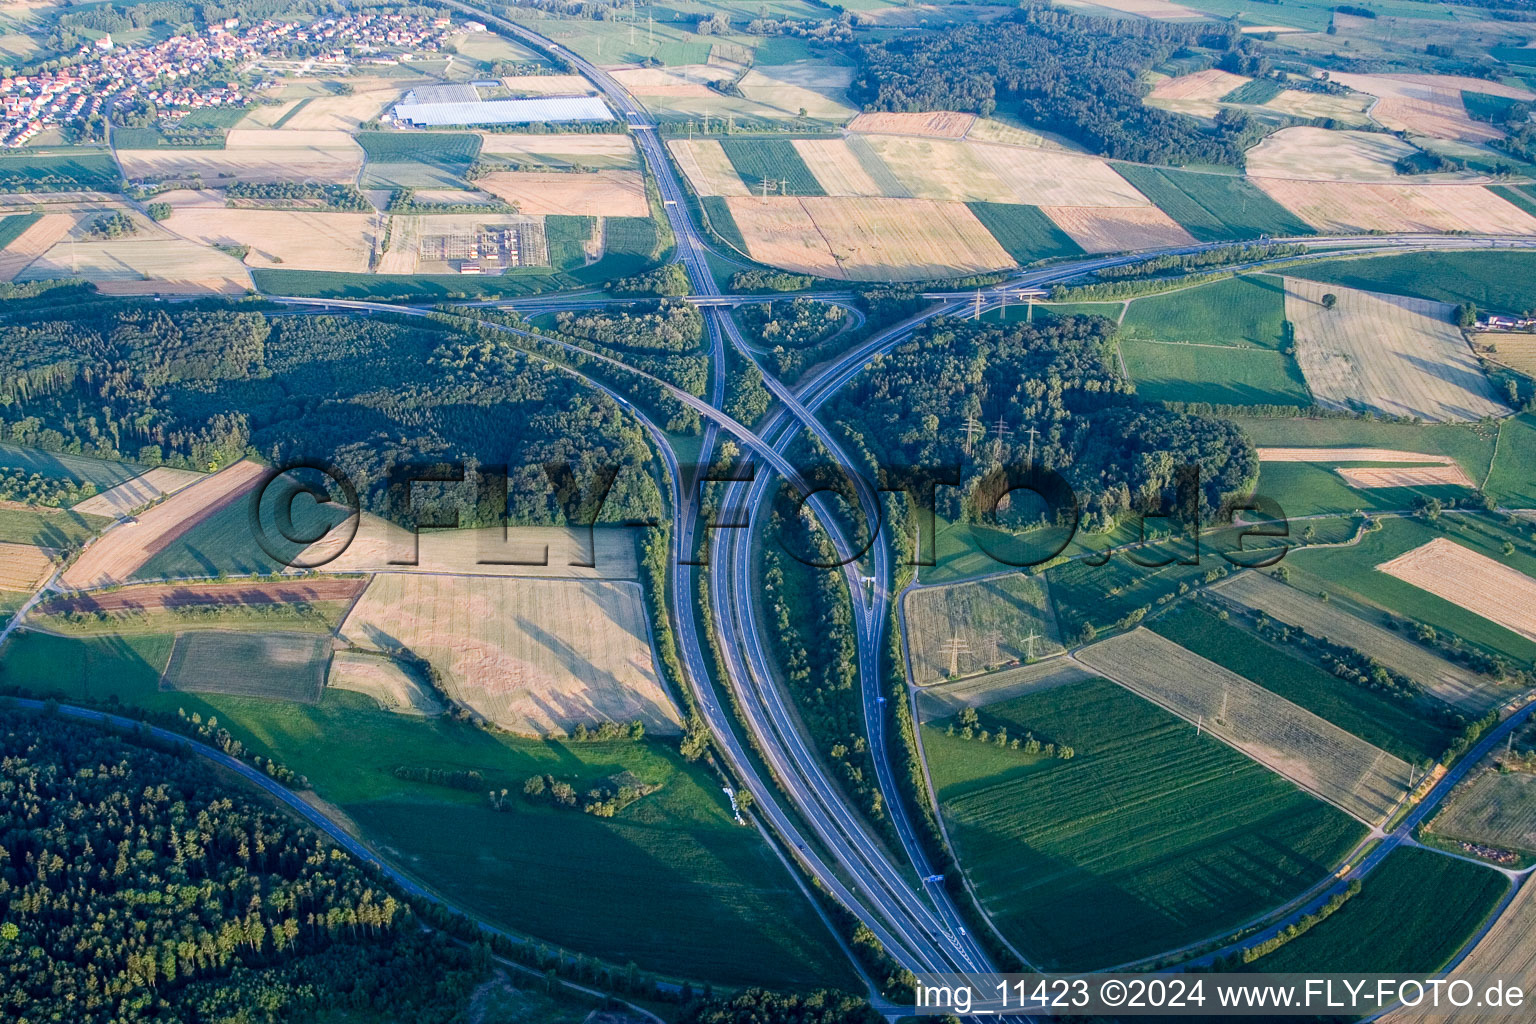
{"x":173,"y":74}
{"x":1494,"y":322}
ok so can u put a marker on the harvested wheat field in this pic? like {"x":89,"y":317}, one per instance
{"x":132,"y":266}
{"x":938,"y":124}
{"x":1196,"y":94}
{"x":607,"y":552}
{"x":1494,"y":807}
{"x":1458,"y":686}
{"x":1475,"y":582}
{"x":1507,"y":951}
{"x":135,"y":493}
{"x":33,"y":242}
{"x":1430,"y":104}
{"x":532,"y":656}
{"x":1318,"y":154}
{"x":709,"y":170}
{"x":1368,"y":477}
{"x":1317,"y":755}
{"x":1349,"y":455}
{"x":1386,"y":353}
{"x":293,"y":240}
{"x":682,"y":80}
{"x":599,"y":194}
{"x":387,"y":680}
{"x":604,"y":152}
{"x":1115,"y":229}
{"x":1343,"y":207}
{"x":968,"y":628}
{"x":253,"y":154}
{"x":404,"y":251}
{"x":867,"y":239}
{"x":23,"y":566}
{"x":944,"y":699}
{"x":1517,"y":351}
{"x":836,"y":168}
{"x":967,"y":172}
{"x":112,"y":558}
{"x":1003,"y":134}
{"x":343,"y":113}
{"x":1349,"y":109}
{"x":821,"y":90}
{"x":549,"y":85}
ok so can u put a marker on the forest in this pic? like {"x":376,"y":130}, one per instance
{"x":1066,"y":73}
{"x":966,"y":393}
{"x":202,"y":384}
{"x":136,"y":885}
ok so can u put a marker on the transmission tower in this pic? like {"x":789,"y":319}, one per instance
{"x":954,"y":647}
{"x":1030,"y":641}
{"x":972,"y":430}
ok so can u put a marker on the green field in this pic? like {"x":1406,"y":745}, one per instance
{"x":77,"y":469}
{"x":1400,"y":727}
{"x":1470,"y":444}
{"x":49,"y":529}
{"x":1246,"y":311}
{"x":1411,"y":916}
{"x":1350,"y":574}
{"x":1522,"y":196}
{"x":722,"y":222}
{"x":658,"y":884}
{"x":1512,"y":480}
{"x":1504,"y":282}
{"x":417,"y":159}
{"x":53,"y":172}
{"x":1172,"y":372}
{"x":276,"y":666}
{"x":1024,"y":231}
{"x":1150,"y":837}
{"x":12,"y":227}
{"x":1311,"y":488}
{"x":773,"y":160}
{"x":1213,"y":207}
{"x":222,"y":544}
{"x":1257,"y":91}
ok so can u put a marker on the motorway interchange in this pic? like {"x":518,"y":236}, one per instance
{"x":905,"y":905}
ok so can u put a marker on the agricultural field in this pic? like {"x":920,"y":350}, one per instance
{"x":593,"y":152}
{"x":552,"y":551}
{"x":1345,"y":207}
{"x":36,"y":240}
{"x":1472,"y":581}
{"x":707,"y":168}
{"x":294,"y":240}
{"x":1430,"y":104}
{"x":991,"y":619}
{"x":53,"y":528}
{"x":1350,"y":109}
{"x":393,"y":684}
{"x":598,"y":194}
{"x":1412,"y":914}
{"x":1246,"y":311}
{"x":23,"y":567}
{"x":369,"y":99}
{"x":569,"y":878}
{"x":941,"y":124}
{"x":1493,"y":808}
{"x":821,"y":90}
{"x":943,"y":700}
{"x":1213,"y":207}
{"x":1311,"y":489}
{"x":313,"y":605}
{"x":1317,"y":154}
{"x":1517,"y":351}
{"x":1507,"y":950}
{"x":252,"y":154}
{"x":1114,"y":229}
{"x":532,"y":656}
{"x":1403,"y":728}
{"x":1511,"y":479}
{"x":838,"y":169}
{"x":866,"y":239}
{"x":1317,"y":755}
{"x":73,"y":169}
{"x":1221,"y":374}
{"x":1025,"y":232}
{"x":1457,"y":686}
{"x":1198,"y":94}
{"x":1350,"y":574}
{"x":77,"y":469}
{"x":275,"y":666}
{"x":122,"y":552}
{"x":1500,"y":282}
{"x":1386,"y":354}
{"x":1469,"y":445}
{"x":974,"y":172}
{"x":134,"y":266}
{"x":1149,"y":837}
{"x":775,"y":161}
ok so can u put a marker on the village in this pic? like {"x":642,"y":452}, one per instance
{"x":196,"y":71}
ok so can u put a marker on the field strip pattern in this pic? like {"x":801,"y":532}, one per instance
{"x":1390,"y":354}
{"x":1460,"y":687}
{"x":1368,"y":477}
{"x":113,"y":558}
{"x":138,"y":492}
{"x":1471,"y":580}
{"x":1351,"y":455}
{"x":23,"y":566}
{"x":1336,"y":766}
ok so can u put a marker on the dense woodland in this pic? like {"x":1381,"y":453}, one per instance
{"x":200,"y":385}
{"x":952,"y":378}
{"x":1063,"y":72}
{"x":136,"y":886}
